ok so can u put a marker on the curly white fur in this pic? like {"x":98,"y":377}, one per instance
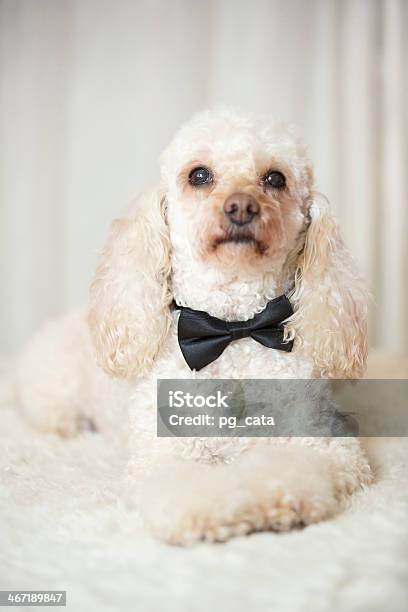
{"x":169,"y":245}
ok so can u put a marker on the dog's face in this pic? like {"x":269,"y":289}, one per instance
{"x":237,"y":190}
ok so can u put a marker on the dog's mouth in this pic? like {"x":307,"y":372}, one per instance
{"x":241,"y":239}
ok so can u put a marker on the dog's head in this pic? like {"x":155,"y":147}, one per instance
{"x":237,"y":190}
{"x":237,"y":196}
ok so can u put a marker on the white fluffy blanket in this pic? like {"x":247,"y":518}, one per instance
{"x":62,"y":526}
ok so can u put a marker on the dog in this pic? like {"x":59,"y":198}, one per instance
{"x":235,"y":224}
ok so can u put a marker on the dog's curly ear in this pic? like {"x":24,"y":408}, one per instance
{"x":330,"y":299}
{"x":129,"y":315}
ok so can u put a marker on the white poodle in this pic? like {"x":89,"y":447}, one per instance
{"x":234,"y":224}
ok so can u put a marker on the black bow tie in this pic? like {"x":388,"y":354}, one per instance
{"x":203,"y":338}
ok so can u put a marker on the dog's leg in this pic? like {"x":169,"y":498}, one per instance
{"x":54,"y":376}
{"x":272,"y":487}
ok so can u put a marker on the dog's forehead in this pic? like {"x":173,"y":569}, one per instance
{"x":235,"y":144}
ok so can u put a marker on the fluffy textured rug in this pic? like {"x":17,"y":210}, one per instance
{"x":62,"y":526}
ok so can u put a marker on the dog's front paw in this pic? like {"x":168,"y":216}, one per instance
{"x":272,"y":488}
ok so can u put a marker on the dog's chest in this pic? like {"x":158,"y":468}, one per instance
{"x":246,"y":358}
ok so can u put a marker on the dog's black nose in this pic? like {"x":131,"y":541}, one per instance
{"x":241,"y":208}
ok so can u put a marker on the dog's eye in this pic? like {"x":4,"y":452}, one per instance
{"x":200,"y":176}
{"x":274,"y":179}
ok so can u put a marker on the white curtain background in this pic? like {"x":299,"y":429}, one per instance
{"x":92,"y":90}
